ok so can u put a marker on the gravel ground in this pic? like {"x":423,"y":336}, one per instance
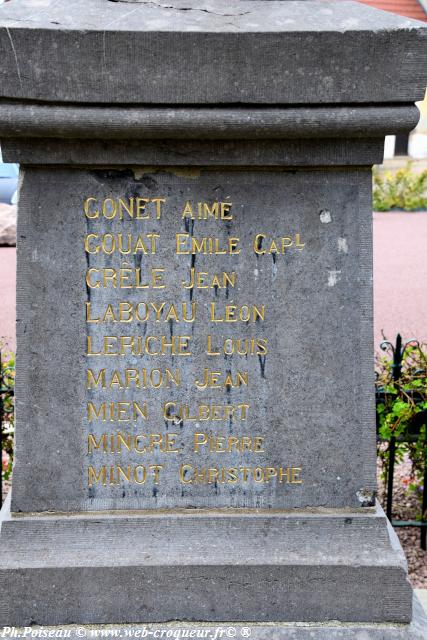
{"x":406,"y":506}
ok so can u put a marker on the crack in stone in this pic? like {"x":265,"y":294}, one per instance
{"x":18,"y":71}
{"x":164,"y":6}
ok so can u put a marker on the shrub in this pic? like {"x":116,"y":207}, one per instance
{"x":7,"y":384}
{"x":403,"y":189}
{"x":402,"y":409}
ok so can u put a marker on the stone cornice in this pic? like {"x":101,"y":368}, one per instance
{"x":24,"y":120}
{"x":209,"y":52}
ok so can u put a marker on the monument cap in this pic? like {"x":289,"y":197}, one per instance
{"x":209,"y":52}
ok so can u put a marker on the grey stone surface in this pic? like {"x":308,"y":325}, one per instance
{"x":189,"y":136}
{"x":416,"y":630}
{"x":162,"y":123}
{"x":7,"y":225}
{"x":421,"y":594}
{"x":110,"y":546}
{"x":306,"y":396}
{"x":325,"y":152}
{"x":209,"y":52}
{"x":296,"y":566}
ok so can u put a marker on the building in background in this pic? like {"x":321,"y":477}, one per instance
{"x":415,"y":9}
{"x":414,"y":144}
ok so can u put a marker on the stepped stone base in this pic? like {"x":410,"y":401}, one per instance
{"x":262,"y":566}
{"x":417,"y":630}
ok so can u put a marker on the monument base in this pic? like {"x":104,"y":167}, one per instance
{"x":305,"y":566}
{"x":416,"y":630}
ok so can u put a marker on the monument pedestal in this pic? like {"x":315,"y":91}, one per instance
{"x":194,"y":390}
{"x":259,"y":631}
{"x":342,"y":577}
{"x":298,"y":566}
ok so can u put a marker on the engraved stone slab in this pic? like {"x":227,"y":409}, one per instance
{"x":194,"y":392}
{"x":201,"y":339}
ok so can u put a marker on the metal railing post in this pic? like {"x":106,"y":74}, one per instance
{"x":398,"y":351}
{"x":396,"y":370}
{"x":390,"y":477}
{"x":424,"y":507}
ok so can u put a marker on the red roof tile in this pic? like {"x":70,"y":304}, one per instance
{"x":408,"y":8}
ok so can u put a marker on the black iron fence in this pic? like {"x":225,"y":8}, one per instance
{"x":416,"y":432}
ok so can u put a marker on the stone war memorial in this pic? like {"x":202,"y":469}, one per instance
{"x":195,"y":404}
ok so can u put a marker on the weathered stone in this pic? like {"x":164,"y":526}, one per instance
{"x":112,"y":123}
{"x":262,"y":631}
{"x":7,"y":225}
{"x":323,"y":280}
{"x":165,"y":470}
{"x":209,"y":52}
{"x":208,"y":566}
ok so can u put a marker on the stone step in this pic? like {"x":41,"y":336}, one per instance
{"x":416,"y":630}
{"x":297,"y":567}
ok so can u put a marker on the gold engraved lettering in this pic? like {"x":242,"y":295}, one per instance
{"x":117,"y":411}
{"x":112,"y":475}
{"x":276,"y":245}
{"x":189,"y":474}
{"x":203,"y":280}
{"x":133,"y":379}
{"x":216,"y":210}
{"x":176,"y":412}
{"x":227,"y":444}
{"x":187,"y":244}
{"x":217,"y":380}
{"x":236,"y":346}
{"x":141,"y":443}
{"x":233,"y":313}
{"x":124,"y":278}
{"x":133,"y":208}
{"x":122,"y":243}
{"x":142,"y":312}
{"x":140,"y":346}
